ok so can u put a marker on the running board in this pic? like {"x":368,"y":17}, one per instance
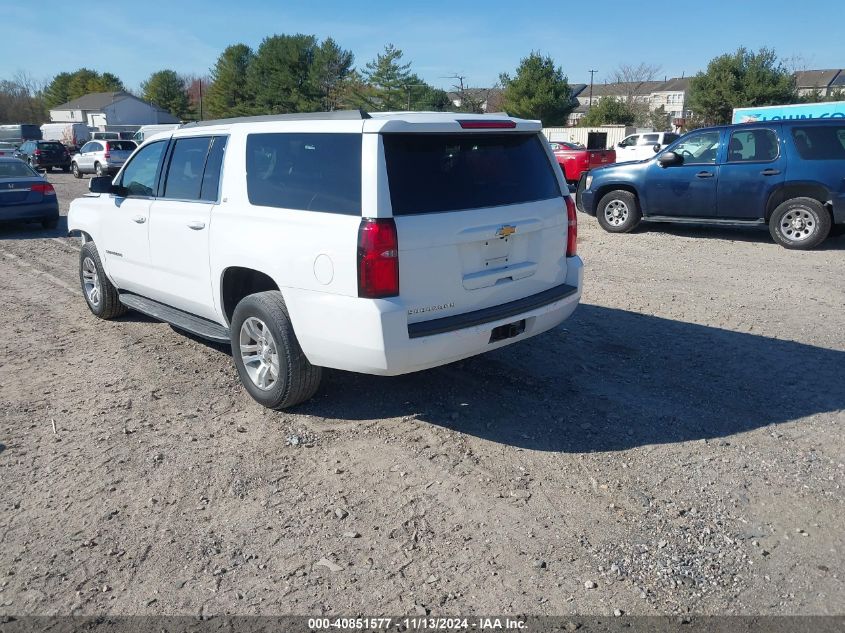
{"x":177,"y":318}
{"x":714,"y":221}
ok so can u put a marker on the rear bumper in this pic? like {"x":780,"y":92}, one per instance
{"x":40,"y":211}
{"x":375,"y":338}
{"x":43,"y":164}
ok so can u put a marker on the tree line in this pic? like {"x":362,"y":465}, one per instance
{"x":299,"y":73}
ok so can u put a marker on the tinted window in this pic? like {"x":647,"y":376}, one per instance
{"x":213,"y":166}
{"x":51,"y":146}
{"x":670,"y":138}
{"x":139,"y":175}
{"x":752,"y":146}
{"x":823,"y":142}
{"x":650,"y":139}
{"x":187,"y":162}
{"x":121,"y":146}
{"x":312,"y":172}
{"x":448,"y":172}
{"x":698,"y":148}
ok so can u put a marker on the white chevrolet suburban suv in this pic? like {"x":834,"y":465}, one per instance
{"x":382,"y":244}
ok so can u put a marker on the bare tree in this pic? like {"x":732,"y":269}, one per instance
{"x":630,"y":78}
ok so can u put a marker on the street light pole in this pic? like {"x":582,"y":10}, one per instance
{"x":592,"y":72}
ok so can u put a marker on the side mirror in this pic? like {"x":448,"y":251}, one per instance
{"x":656,"y":147}
{"x":104,"y":184}
{"x":619,"y":144}
{"x":668,"y":159}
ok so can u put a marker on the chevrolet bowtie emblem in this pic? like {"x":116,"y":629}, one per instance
{"x":506,"y":230}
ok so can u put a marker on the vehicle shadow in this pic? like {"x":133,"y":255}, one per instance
{"x":32,"y":231}
{"x":2,"y":448}
{"x":756,"y":234}
{"x":608,"y":380}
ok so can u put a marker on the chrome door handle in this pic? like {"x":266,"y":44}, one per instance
{"x":140,"y":219}
{"x":704,"y":174}
{"x":196,"y":226}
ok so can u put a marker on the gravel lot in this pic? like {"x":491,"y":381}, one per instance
{"x":675,"y":447}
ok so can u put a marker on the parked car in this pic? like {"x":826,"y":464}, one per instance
{"x":7,"y":149}
{"x":784,"y":174}
{"x":25,"y":195}
{"x":44,"y":155}
{"x":642,"y":146}
{"x":101,"y":157}
{"x":74,"y":134}
{"x":20,"y":132}
{"x":146,"y":131}
{"x":383,"y":245}
{"x":576,"y":159}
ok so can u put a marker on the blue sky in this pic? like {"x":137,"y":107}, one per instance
{"x":133,"y":39}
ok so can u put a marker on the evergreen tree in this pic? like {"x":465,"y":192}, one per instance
{"x":737,"y":80}
{"x":280,"y":77}
{"x":228,"y":94}
{"x":539,"y":90}
{"x":166,"y":89}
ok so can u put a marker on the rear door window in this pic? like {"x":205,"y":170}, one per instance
{"x":650,"y":139}
{"x":187,"y":163}
{"x":213,"y":166}
{"x":430,"y":173}
{"x":309,"y":172}
{"x":756,"y":146}
{"x":823,"y":142}
{"x":121,"y":146}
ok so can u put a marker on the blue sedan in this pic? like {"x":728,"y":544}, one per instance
{"x":25,"y":195}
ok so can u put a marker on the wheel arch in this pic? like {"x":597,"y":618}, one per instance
{"x":605,"y":189}
{"x":236,"y":282}
{"x":807,"y":189}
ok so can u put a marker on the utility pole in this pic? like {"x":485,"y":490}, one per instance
{"x":201,"y":99}
{"x":592,"y":72}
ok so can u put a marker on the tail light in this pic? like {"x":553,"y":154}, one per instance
{"x":37,"y":152}
{"x":108,"y":150}
{"x":572,"y":228}
{"x":378,"y":258}
{"x":44,"y":188}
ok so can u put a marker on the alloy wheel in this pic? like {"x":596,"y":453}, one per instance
{"x":259,"y":353}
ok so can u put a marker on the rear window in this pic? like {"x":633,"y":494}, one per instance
{"x":823,"y":142}
{"x":430,"y":173}
{"x":51,"y":146}
{"x":308,"y":172}
{"x":121,"y":146}
{"x":16,"y":169}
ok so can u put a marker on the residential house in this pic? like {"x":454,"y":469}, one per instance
{"x":820,"y":82}
{"x":99,"y":109}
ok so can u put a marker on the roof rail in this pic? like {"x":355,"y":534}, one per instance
{"x":336,"y":115}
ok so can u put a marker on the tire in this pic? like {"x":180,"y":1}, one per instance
{"x":296,"y":380}
{"x":800,"y":223}
{"x":75,"y":169}
{"x":98,"y":169}
{"x":105,"y":303}
{"x":50,"y":224}
{"x":619,"y":212}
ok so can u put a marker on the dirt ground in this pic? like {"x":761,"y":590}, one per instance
{"x":677,"y":446}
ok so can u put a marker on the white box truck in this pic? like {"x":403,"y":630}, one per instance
{"x":75,"y":134}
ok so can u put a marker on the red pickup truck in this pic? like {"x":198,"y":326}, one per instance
{"x":576,"y":159}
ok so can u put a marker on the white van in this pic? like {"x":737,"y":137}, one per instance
{"x":75,"y":134}
{"x":381,"y":244}
{"x":146,"y":131}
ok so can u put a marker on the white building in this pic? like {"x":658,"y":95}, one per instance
{"x":99,"y":109}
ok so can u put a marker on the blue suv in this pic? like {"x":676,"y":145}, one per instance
{"x":787,"y":174}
